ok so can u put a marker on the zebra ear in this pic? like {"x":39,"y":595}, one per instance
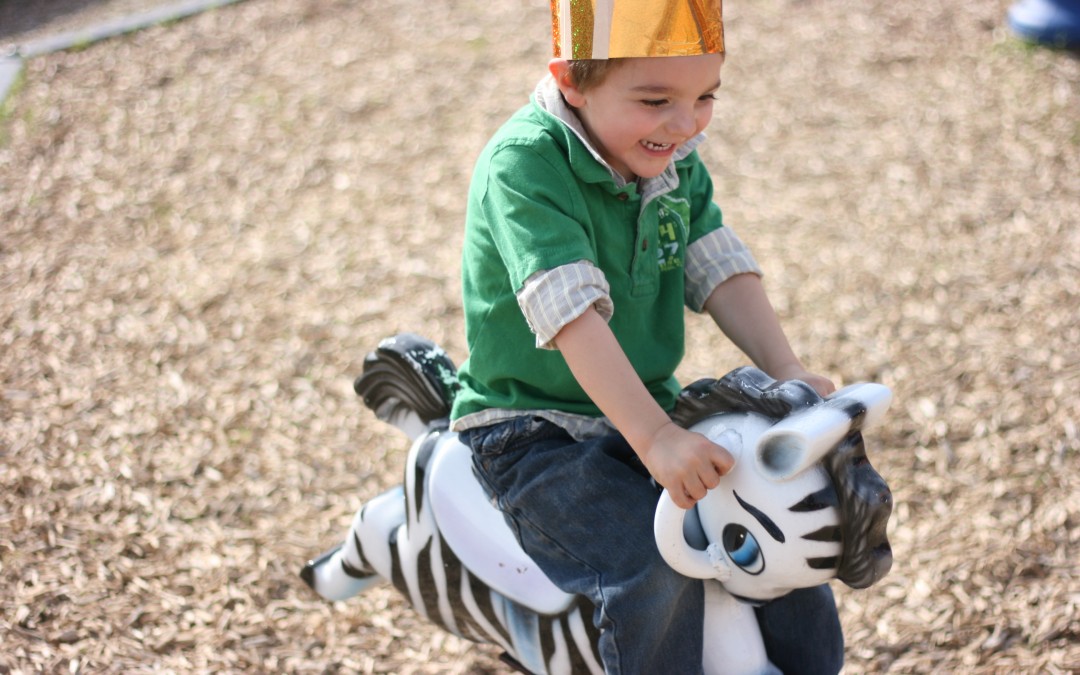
{"x":802,"y":439}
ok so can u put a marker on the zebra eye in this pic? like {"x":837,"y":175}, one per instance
{"x":743,"y":549}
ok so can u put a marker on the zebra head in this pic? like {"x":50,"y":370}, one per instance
{"x":802,"y":504}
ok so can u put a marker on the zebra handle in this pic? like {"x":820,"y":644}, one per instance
{"x":802,"y":439}
{"x":681,"y":556}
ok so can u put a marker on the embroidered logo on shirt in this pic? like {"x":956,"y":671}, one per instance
{"x":674,"y":215}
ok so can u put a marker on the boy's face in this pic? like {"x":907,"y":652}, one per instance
{"x":645,"y":108}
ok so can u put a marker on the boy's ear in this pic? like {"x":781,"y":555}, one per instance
{"x":560,"y":70}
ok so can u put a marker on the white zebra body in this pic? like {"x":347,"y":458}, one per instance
{"x":448,"y":550}
{"x":395,"y":538}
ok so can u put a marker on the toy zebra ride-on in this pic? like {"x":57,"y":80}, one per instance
{"x":801,"y":506}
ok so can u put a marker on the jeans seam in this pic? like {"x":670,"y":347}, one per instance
{"x":596,"y":582}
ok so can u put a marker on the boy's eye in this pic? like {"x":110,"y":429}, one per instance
{"x":660,"y":102}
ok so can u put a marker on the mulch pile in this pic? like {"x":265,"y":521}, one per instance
{"x":205,"y":226}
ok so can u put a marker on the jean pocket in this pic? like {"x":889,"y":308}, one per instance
{"x":506,"y":437}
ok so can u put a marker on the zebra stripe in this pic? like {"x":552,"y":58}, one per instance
{"x":825,"y":498}
{"x":397,"y":577}
{"x":829,"y":533}
{"x":361,"y":571}
{"x":428,"y":573}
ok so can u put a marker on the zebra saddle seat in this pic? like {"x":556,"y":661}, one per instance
{"x":477,"y":533}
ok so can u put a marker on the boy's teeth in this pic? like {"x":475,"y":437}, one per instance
{"x":656,"y":146}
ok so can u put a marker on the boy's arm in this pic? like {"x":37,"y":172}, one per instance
{"x":686,"y":463}
{"x":742,"y":310}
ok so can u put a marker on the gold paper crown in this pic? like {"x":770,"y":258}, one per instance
{"x":612,"y":29}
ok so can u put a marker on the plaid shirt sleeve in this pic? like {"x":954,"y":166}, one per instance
{"x":553,"y":298}
{"x":550,"y":299}
{"x":713,"y":259}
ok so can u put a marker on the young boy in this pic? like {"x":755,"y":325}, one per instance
{"x":590,"y":225}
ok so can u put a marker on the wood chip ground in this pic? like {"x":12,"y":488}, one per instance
{"x":205,"y":226}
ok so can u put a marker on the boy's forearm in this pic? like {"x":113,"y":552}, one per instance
{"x":602,"y":369}
{"x":741,"y":308}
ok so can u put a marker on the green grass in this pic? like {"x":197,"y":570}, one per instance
{"x":7,"y":107}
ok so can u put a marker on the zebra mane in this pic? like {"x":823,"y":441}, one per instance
{"x":408,"y":374}
{"x":746,"y":389}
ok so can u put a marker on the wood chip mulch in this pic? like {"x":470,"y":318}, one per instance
{"x":205,"y":226}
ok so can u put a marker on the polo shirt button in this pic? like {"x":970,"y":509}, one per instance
{"x":645,"y":245}
{"x":623,"y":196}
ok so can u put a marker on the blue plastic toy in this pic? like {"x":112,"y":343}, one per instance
{"x":1052,"y":23}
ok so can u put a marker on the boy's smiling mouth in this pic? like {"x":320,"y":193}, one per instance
{"x":657,"y":147}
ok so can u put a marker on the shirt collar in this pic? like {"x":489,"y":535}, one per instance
{"x":549,"y":98}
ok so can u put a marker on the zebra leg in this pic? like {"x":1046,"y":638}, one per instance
{"x":732,"y":641}
{"x":364,"y":559}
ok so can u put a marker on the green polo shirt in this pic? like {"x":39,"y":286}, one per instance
{"x":539,"y":199}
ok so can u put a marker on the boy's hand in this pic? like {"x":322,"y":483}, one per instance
{"x":686,"y":463}
{"x":822,"y":385}
{"x":741,"y":309}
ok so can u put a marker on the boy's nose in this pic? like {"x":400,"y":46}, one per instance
{"x":683,"y":122}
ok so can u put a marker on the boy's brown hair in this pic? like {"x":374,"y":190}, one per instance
{"x":589,"y":73}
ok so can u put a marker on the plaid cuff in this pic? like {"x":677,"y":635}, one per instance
{"x":553,"y":298}
{"x":711,"y":261}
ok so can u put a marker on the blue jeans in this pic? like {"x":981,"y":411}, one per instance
{"x":802,"y":632}
{"x":584,"y":512}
